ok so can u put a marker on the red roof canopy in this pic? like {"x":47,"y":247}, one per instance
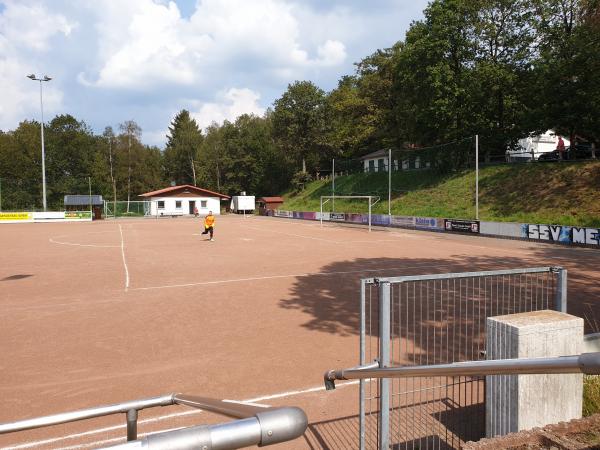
{"x":173,"y":190}
{"x":271,"y":199}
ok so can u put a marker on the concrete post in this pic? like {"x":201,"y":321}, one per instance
{"x":522,"y":402}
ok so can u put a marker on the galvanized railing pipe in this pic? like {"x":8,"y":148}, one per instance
{"x":270,"y":426}
{"x":88,"y":413}
{"x":260,"y":425}
{"x":587,"y":363}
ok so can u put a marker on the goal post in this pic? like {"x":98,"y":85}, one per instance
{"x":372,"y":200}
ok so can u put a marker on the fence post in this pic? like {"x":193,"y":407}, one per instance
{"x":363,"y":329}
{"x":132,"y":416}
{"x":384,"y":361}
{"x":561,"y":289}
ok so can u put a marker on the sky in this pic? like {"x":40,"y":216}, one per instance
{"x":146,"y":60}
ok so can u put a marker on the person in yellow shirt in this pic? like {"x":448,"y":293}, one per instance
{"x":209,"y":223}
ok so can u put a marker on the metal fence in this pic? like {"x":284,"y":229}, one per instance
{"x":126,"y":209}
{"x":438,"y":319}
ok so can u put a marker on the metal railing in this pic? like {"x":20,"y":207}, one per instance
{"x":257,"y":425}
{"x":423,"y":320}
{"x":586,"y":363}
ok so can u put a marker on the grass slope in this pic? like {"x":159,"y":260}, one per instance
{"x":559,"y":193}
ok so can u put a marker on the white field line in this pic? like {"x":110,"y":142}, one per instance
{"x":124,"y":262}
{"x":273,"y":277}
{"x":82,"y":245}
{"x":298,"y":235}
{"x":168,"y":416}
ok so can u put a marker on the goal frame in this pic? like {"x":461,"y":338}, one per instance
{"x":367,"y":197}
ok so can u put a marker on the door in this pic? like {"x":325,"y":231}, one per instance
{"x":192,"y":206}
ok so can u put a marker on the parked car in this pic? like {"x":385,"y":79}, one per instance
{"x":579,"y":151}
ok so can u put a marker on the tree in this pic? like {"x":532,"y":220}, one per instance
{"x":104,"y":167}
{"x":130,"y":136}
{"x":69,"y":158}
{"x":299,"y":124}
{"x":21,"y":167}
{"x":568,"y":65}
{"x":432,"y":79}
{"x":504,"y":43}
{"x":181,"y":152}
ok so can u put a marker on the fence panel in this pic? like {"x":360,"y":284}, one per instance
{"x":436,"y":319}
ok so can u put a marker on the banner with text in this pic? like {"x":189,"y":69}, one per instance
{"x":462,"y":226}
{"x":561,"y":233}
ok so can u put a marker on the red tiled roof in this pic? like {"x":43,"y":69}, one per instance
{"x":272,"y":199}
{"x":184,"y":186}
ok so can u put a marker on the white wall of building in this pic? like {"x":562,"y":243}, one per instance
{"x":404,"y":165}
{"x":181,"y":205}
{"x":537,"y":145}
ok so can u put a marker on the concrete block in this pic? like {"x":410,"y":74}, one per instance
{"x":522,"y":402}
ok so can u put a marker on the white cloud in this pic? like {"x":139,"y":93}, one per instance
{"x":27,"y":27}
{"x":332,"y":53}
{"x":149,"y":44}
{"x":32,"y":25}
{"x":229,"y":105}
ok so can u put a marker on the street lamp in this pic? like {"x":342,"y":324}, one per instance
{"x":46,"y":78}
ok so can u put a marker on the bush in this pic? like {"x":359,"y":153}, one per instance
{"x":300,"y":180}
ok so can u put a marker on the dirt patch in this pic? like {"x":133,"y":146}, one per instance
{"x":574,"y":435}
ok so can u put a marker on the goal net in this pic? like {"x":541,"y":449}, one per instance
{"x":370,"y":199}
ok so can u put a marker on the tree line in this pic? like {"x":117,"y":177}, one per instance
{"x":502,"y":69}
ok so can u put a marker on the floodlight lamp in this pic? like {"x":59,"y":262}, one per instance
{"x":47,"y":78}
{"x":31,"y":76}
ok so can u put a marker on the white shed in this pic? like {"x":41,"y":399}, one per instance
{"x":183,"y":200}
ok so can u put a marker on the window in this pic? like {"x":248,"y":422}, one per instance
{"x":178,"y":204}
{"x":161,"y":204}
{"x":380,"y":165}
{"x":203,"y":203}
{"x":371,"y":165}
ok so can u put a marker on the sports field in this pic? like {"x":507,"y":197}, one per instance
{"x":109,"y":311}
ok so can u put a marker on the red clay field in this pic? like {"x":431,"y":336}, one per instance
{"x":104,"y":312}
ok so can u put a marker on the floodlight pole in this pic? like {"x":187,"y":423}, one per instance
{"x":476,"y":177}
{"x":46,"y":78}
{"x":333,"y":185}
{"x":389,"y":182}
{"x":90,"y":186}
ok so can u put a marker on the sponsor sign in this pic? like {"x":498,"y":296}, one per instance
{"x":426,"y":222}
{"x":559,"y":233}
{"x":357,"y":218}
{"x":16,"y":216}
{"x":309,"y":215}
{"x":463,"y":226}
{"x":337,"y":216}
{"x":80,"y":215}
{"x":281,"y":213}
{"x":402,"y":221}
{"x":379,"y":219}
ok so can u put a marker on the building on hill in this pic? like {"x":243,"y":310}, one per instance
{"x":378,"y":162}
{"x":184,"y":200}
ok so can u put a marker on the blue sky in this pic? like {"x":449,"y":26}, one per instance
{"x":145,"y":60}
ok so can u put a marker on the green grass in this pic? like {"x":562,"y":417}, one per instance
{"x":557,"y":193}
{"x":591,"y":395}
